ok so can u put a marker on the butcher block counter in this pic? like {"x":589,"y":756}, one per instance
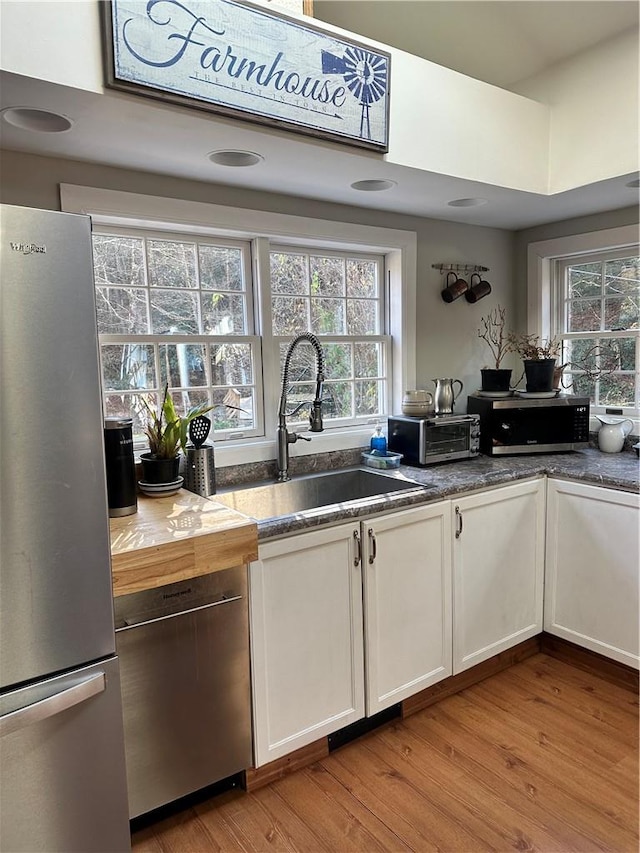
{"x":177,"y":538}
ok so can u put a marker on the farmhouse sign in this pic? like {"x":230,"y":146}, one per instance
{"x":244,"y":61}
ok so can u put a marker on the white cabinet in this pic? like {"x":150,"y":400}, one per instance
{"x":306,"y":639}
{"x":407,"y":595}
{"x":591,"y":594}
{"x":498,"y":570}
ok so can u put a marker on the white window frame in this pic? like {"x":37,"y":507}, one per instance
{"x":116,"y":208}
{"x":542,"y":258}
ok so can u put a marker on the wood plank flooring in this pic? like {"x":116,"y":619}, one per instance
{"x":541,"y":757}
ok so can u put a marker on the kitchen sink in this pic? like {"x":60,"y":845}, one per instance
{"x":310,"y":492}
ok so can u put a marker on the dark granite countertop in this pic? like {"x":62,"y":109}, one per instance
{"x":439,"y":482}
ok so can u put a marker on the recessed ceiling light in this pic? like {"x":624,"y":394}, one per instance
{"x":39,"y":121}
{"x":235,"y":158}
{"x":467,"y":202}
{"x":374,"y":185}
{"x":634,"y":184}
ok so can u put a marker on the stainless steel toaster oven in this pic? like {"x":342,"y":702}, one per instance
{"x":439,"y":438}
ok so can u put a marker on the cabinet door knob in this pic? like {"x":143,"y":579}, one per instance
{"x":458,"y":522}
{"x":373,"y":546}
{"x":358,"y":557}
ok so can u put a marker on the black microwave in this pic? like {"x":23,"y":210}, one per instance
{"x":515,"y":425}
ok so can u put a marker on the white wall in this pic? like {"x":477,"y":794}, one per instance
{"x":447,"y":343}
{"x":440,"y":121}
{"x":594,"y":113}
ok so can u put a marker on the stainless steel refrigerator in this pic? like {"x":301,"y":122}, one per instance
{"x":62,"y":770}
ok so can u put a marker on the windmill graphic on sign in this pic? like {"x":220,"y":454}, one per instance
{"x":365,"y":75}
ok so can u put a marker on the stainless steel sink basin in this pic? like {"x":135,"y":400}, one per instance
{"x":311,"y":492}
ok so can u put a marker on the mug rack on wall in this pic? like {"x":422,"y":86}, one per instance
{"x":457,"y":286}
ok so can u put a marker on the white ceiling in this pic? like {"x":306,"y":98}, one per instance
{"x":130,"y":132}
{"x":500,"y":41}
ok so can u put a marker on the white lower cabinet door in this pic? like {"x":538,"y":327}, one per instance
{"x":306,"y":639}
{"x":406,"y":568}
{"x":498,"y":570}
{"x":592,"y":563}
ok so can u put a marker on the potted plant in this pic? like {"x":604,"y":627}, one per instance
{"x":539,"y":358}
{"x":492,"y":331}
{"x":166,"y":433}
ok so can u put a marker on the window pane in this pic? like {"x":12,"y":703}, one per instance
{"x":584,"y":315}
{"x":368,"y":398}
{"x":290,"y":316}
{"x":129,"y":406}
{"x":585,"y":280}
{"x":617,"y":391}
{"x":582,"y":353}
{"x":618,"y":354}
{"x":327,"y":276}
{"x":171,"y":264}
{"x":121,"y":311}
{"x":185,"y":400}
{"x":235,"y":408}
{"x":118,"y":260}
{"x":362,"y":279}
{"x":584,"y":387}
{"x":339,"y":397}
{"x":182,"y":365}
{"x":174,"y":312}
{"x":362,"y":317}
{"x":622,"y":276}
{"x":126,"y":366}
{"x":368,"y":359}
{"x":220,"y":268}
{"x":223,"y":314}
{"x":289,"y":273}
{"x":302,"y":365}
{"x":327,"y":316}
{"x":621,"y":312}
{"x":231,"y":364}
{"x":338,"y":361}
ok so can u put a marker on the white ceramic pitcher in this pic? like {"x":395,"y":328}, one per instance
{"x":612,"y":433}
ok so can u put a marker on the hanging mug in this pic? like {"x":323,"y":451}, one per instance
{"x":455,"y":287}
{"x":478,"y":290}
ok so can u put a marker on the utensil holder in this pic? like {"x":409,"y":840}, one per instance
{"x":200,"y":471}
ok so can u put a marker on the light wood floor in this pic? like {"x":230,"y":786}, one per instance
{"x":540,"y":757}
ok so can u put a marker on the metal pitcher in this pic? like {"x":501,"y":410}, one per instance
{"x":444,"y":396}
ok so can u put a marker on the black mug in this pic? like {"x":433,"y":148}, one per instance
{"x":455,"y":287}
{"x":478,"y":290}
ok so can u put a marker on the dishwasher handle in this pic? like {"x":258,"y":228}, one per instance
{"x":137,"y":623}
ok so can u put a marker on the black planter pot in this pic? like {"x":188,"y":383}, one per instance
{"x":539,"y":374}
{"x":495,"y":379}
{"x":156,"y":470}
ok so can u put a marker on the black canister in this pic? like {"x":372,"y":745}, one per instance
{"x":121,"y":469}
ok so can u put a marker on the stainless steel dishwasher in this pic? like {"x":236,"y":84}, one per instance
{"x":184,"y":669}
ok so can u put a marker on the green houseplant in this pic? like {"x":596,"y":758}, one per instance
{"x":539,"y":359}
{"x":166,"y":433}
{"x":494,"y":333}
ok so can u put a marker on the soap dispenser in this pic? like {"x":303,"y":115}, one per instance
{"x":378,"y":441}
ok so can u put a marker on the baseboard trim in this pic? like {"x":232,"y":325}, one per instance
{"x":258,"y":777}
{"x":456,"y":683}
{"x":589,"y":661}
{"x":585,"y":659}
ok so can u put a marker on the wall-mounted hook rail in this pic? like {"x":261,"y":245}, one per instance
{"x":465,"y":268}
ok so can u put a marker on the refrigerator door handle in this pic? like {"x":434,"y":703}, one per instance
{"x":52,"y":705}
